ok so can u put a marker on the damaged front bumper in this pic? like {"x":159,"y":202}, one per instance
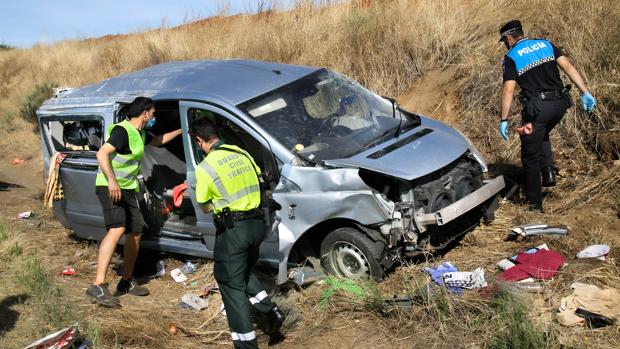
{"x":462,"y":206}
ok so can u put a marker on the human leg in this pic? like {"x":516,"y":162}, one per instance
{"x":230,"y":268}
{"x":106,"y":250}
{"x":530,"y":158}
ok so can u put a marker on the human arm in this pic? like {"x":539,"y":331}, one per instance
{"x":103,"y":157}
{"x":160,"y":140}
{"x":508,"y":90}
{"x":588,"y":102}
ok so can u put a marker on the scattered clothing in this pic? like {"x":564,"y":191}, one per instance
{"x":177,"y":194}
{"x":595,"y":251}
{"x":465,"y":279}
{"x":436,"y":273}
{"x":604,"y":302}
{"x":53,"y":189}
{"x":57,"y":340}
{"x":541,"y":265}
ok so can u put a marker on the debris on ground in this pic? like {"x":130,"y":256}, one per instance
{"x":193,"y":301}
{"x":178,"y":275}
{"x":540,"y":265}
{"x":189,"y":267}
{"x":69,"y":271}
{"x":599,"y":252}
{"x":526,"y":230}
{"x":465,"y":279}
{"x":17,"y":161}
{"x":304,"y":276}
{"x":24,"y":215}
{"x":591,"y":299}
{"x":436,"y":274}
{"x":57,"y":340}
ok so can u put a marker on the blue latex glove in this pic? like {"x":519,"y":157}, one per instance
{"x":503,"y":129}
{"x":588,"y":102}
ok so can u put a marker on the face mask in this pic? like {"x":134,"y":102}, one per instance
{"x":150,"y":123}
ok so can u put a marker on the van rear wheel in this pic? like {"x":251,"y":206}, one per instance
{"x":349,"y":253}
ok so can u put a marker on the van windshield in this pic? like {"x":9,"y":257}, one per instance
{"x":326,"y":116}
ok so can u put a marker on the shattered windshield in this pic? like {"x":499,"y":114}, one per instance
{"x":326,"y":116}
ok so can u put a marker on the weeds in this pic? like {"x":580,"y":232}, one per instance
{"x":14,"y":250}
{"x":40,"y":285}
{"x":514,"y":329}
{"x":4,"y":233}
{"x":34,"y":100}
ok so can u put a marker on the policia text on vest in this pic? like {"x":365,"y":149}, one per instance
{"x":533,"y":65}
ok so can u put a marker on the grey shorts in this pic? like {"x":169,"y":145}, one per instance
{"x":124,"y":213}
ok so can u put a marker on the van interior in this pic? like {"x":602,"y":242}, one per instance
{"x":163,"y":168}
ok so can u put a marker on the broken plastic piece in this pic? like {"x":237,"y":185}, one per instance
{"x":194,"y":302}
{"x":178,"y":275}
{"x":537,"y":229}
{"x":25,"y":215}
{"x":594,"y":320}
{"x":304,"y":276}
{"x":61,"y":339}
{"x":595,"y":251}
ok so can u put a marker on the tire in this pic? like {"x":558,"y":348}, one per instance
{"x":348,"y":253}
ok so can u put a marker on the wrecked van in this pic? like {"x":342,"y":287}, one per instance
{"x":362,"y":183}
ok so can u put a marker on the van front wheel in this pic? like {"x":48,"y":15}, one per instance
{"x":349,"y":253}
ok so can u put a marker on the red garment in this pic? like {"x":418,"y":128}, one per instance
{"x":542,"y":265}
{"x":177,"y":194}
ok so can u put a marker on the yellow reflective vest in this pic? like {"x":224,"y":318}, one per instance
{"x":126,"y":167}
{"x":228,"y":177}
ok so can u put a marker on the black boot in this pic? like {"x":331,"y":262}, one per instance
{"x":275,"y":319}
{"x":548,"y":176}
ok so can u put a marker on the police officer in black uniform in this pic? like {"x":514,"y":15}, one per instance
{"x":533,"y":64}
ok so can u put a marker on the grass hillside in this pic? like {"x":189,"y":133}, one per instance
{"x":446,"y":54}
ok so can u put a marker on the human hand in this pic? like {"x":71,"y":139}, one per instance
{"x":525,"y":129}
{"x":503,"y":129}
{"x":114,"y":190}
{"x":588,"y":102}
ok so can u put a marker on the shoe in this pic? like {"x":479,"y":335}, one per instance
{"x":275,"y":319}
{"x":131,"y":287}
{"x":548,"y":176}
{"x":101,"y":295}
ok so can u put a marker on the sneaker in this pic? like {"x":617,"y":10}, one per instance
{"x":131,"y":287}
{"x":101,"y":295}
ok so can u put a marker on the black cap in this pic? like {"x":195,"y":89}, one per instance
{"x":509,"y":28}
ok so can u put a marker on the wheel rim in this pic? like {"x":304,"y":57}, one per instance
{"x":349,"y":261}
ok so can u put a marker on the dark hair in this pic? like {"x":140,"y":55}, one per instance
{"x":203,"y":128}
{"x":137,"y":107}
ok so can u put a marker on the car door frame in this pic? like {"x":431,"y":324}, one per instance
{"x":204,"y":221}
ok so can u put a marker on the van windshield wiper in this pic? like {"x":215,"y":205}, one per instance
{"x":394,"y":107}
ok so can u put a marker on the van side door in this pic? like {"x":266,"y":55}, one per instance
{"x":233,"y":131}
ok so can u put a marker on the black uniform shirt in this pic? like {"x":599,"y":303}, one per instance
{"x":538,"y":66}
{"x":120,"y":140}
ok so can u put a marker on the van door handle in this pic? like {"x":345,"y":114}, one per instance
{"x":291,"y":213}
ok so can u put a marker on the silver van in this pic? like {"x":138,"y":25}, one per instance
{"x":362,"y":183}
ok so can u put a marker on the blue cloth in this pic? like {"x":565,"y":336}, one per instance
{"x":436,"y":273}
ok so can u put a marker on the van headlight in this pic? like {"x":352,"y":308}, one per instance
{"x":475,"y":153}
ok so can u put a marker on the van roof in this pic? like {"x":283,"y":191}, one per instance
{"x":232,"y":81}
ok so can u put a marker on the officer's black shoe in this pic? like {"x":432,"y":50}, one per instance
{"x":548,"y":176}
{"x":276,"y":338}
{"x":273,"y":322}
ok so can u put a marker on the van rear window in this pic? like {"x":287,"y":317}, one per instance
{"x":73,"y":135}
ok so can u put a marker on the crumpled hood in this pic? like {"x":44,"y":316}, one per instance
{"x":415,"y":153}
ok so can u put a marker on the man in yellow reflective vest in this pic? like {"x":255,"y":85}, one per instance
{"x":227,"y":183}
{"x":117,"y":189}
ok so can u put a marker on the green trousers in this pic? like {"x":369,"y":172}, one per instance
{"x":236,"y":254}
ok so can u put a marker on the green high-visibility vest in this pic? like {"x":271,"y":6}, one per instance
{"x":126,"y":167}
{"x":228,"y":177}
